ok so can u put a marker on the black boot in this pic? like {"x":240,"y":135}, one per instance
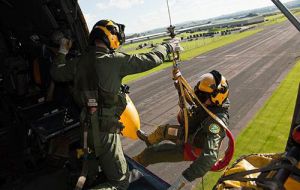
{"x":143,"y":136}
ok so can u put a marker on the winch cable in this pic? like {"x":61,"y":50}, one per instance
{"x":184,"y":91}
{"x":182,"y":97}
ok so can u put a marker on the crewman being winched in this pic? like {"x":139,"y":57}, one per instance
{"x":97,"y":76}
{"x":204,"y":136}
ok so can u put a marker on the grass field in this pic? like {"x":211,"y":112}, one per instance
{"x":195,"y":48}
{"x":276,"y":19}
{"x":268,"y":131}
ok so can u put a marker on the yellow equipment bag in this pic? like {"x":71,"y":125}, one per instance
{"x":130,"y":119}
{"x":252,"y":162}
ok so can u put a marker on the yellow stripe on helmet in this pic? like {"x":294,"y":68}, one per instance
{"x":113,"y":39}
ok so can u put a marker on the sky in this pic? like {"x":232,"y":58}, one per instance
{"x":143,"y":15}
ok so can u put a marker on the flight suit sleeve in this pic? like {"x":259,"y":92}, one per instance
{"x":209,"y":155}
{"x":62,"y":70}
{"x":131,"y":64}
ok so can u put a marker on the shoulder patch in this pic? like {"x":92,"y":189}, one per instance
{"x":214,"y":128}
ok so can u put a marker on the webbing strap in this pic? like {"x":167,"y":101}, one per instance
{"x":82,"y":178}
{"x":94,"y":122}
{"x":182,"y":100}
{"x":240,"y":175}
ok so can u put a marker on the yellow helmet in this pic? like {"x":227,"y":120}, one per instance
{"x":214,"y":86}
{"x":111,"y":33}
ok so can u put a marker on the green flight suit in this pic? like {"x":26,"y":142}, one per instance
{"x":204,"y":133}
{"x":97,"y":75}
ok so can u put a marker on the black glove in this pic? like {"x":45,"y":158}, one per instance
{"x":173,"y":45}
{"x":125,"y":88}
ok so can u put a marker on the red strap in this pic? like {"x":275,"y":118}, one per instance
{"x":221,"y":164}
{"x":190,"y":153}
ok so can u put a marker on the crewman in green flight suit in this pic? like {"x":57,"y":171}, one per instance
{"x":97,"y":76}
{"x":204,"y":138}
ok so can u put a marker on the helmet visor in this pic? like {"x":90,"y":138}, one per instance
{"x":121,"y":33}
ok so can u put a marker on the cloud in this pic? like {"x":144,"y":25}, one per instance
{"x":102,"y":6}
{"x":150,"y":20}
{"x":119,"y":4}
{"x":142,"y":15}
{"x":125,"y":4}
